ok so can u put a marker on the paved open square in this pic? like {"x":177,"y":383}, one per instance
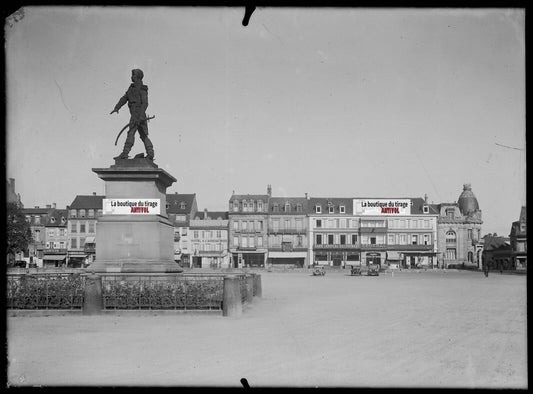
{"x":410,"y":329}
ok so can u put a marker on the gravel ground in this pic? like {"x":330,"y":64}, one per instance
{"x":413,"y":329}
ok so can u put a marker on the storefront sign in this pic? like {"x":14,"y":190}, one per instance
{"x":131,"y":206}
{"x":377,"y":207}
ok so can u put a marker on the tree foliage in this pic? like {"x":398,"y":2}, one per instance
{"x":17,"y":229}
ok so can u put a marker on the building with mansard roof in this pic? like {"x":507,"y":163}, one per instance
{"x":181,"y":207}
{"x":247,"y":226}
{"x":209,"y":239}
{"x":83,"y":214}
{"x":459,"y":231}
{"x":56,"y":238}
{"x":518,"y":240}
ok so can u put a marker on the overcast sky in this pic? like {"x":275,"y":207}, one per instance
{"x":330,"y":102}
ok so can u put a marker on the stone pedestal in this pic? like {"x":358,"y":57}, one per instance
{"x":132,"y":242}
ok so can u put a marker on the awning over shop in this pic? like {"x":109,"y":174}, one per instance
{"x":90,"y":240}
{"x":54,"y":257}
{"x":280,"y":255}
{"x":392,"y":255}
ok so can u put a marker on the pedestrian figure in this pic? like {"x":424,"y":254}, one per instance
{"x":137,"y":98}
{"x":486,"y":269}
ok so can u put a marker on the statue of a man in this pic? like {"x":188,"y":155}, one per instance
{"x":137,"y":98}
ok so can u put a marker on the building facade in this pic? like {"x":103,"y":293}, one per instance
{"x":351,"y":231}
{"x":37,"y":218}
{"x":247,"y":221}
{"x":287,"y":232}
{"x":56,"y":238}
{"x":518,"y":240}
{"x":459,"y":231}
{"x":180,"y":209}
{"x":209,"y":240}
{"x":83,"y":214}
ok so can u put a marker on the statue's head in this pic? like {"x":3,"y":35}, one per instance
{"x":137,"y":73}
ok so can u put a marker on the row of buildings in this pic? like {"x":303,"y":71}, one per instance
{"x":263,"y":230}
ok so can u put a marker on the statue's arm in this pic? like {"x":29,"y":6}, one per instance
{"x":123,"y":100}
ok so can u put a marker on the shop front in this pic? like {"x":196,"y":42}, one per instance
{"x":417,"y":260}
{"x":287,"y":259}
{"x":248,"y":259}
{"x":337,"y":257}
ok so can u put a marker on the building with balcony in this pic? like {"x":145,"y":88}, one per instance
{"x":83,"y":214}
{"x":459,"y":230}
{"x":37,"y":218}
{"x":287,"y":232}
{"x":334,"y":237}
{"x":209,"y":240}
{"x":180,"y":209}
{"x":56,"y":238}
{"x":247,"y":225}
{"x":518,"y":241}
{"x":350,"y":231}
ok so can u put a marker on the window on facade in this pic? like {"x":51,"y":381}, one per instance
{"x":72,"y":213}
{"x":299,"y":240}
{"x":275,"y":208}
{"x":425,"y":209}
{"x":73,"y":227}
{"x":318,"y":223}
{"x":372,"y":240}
{"x":244,"y":225}
{"x":354,"y":239}
{"x":451,"y":253}
{"x":82,"y":213}
{"x":82,"y":242}
{"x":413,"y":224}
{"x":219,"y":234}
{"x":245,"y":206}
{"x":450,"y":213}
{"x":235,"y":206}
{"x":260,"y":206}
{"x":244,"y":242}
{"x":251,"y":242}
{"x":61,"y":245}
{"x":319,"y":239}
{"x":469,"y":233}
{"x":298,"y":207}
{"x":52,"y":220}
{"x":99,"y":212}
{"x":390,"y":239}
{"x":184,"y":231}
{"x":235,"y":241}
{"x":275,"y":224}
{"x":342,"y":209}
{"x":259,"y":241}
{"x":318,"y":209}
{"x":331,"y":209}
{"x":183,"y":205}
{"x":91,"y":227}
{"x":195,"y":234}
{"x":62,"y":232}
{"x":74,"y":243}
{"x":403,"y":239}
{"x":37,"y":219}
{"x":287,"y":207}
{"x":287,"y":224}
{"x":82,"y":227}
{"x":450,"y":236}
{"x":414,"y":239}
{"x":426,"y":239}
{"x":330,"y":239}
{"x":235,"y":225}
{"x":91,"y":213}
{"x":470,"y":257}
{"x":299,"y":224}
{"x":331,"y":223}
{"x":343,"y":239}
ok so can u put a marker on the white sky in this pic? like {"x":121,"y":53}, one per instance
{"x":331,"y":102}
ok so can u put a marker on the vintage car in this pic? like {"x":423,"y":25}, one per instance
{"x":319,"y":270}
{"x":373,"y":270}
{"x":356,"y":269}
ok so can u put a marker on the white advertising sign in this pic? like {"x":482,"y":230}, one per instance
{"x":131,"y":206}
{"x":376,"y":207}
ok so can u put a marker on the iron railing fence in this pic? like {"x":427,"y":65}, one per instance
{"x":45,"y":291}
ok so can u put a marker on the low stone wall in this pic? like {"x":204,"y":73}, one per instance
{"x":102,"y":293}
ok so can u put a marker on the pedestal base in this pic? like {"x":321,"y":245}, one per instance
{"x":131,"y":266}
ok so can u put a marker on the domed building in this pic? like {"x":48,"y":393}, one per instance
{"x":459,"y":231}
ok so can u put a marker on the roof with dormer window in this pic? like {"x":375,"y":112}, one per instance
{"x":180,"y":203}
{"x":87,"y":202}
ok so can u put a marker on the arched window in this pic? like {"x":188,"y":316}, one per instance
{"x":470,"y":257}
{"x":451,"y":237}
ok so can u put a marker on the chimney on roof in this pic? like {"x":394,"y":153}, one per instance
{"x":269,"y":190}
{"x":205,"y":213}
{"x":48,"y":206}
{"x":176,"y":193}
{"x":54,"y":205}
{"x":426,"y":198}
{"x":36,"y":206}
{"x":94,"y":193}
{"x":306,"y":196}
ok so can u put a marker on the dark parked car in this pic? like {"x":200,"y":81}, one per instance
{"x":373,"y":270}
